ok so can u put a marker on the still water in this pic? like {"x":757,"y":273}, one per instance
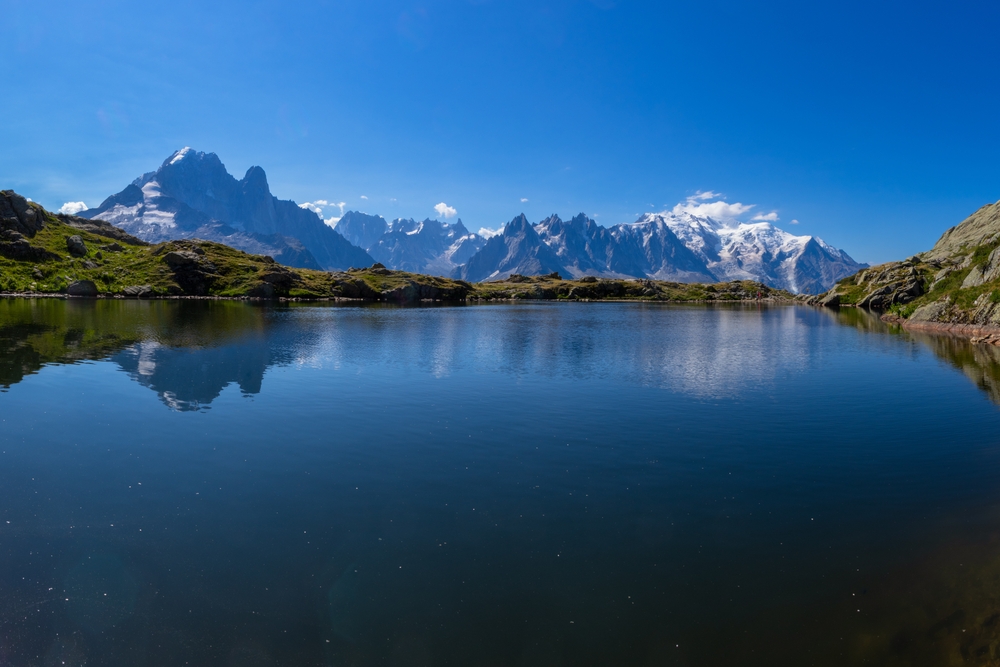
{"x":215,"y":483}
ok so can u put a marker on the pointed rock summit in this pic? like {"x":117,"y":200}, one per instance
{"x":518,"y":249}
{"x":192,"y":195}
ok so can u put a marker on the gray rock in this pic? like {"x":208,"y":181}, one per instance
{"x":929,"y":313}
{"x":18,"y":214}
{"x":181,"y":258}
{"x":831,"y":300}
{"x":876,"y":298}
{"x":975,"y":277}
{"x":112,"y":247}
{"x":138,"y":291}
{"x":87,"y":264}
{"x":76,"y":246}
{"x":82,"y":288}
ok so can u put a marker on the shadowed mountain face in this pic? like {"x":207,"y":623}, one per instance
{"x":192,"y":195}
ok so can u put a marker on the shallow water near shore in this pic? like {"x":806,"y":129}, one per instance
{"x":216,"y":483}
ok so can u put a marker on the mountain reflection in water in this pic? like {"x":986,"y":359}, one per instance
{"x":188,"y":352}
{"x":515,"y":484}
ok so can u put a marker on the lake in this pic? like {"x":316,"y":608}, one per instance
{"x":219,"y":483}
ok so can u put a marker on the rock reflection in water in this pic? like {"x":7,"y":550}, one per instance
{"x":979,"y":362}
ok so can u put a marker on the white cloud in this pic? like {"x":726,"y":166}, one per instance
{"x":445,"y":211}
{"x":717,"y":210}
{"x":524,"y":199}
{"x":72,"y":207}
{"x":702,"y":195}
{"x":794,"y":222}
{"x":364,"y":197}
{"x":765,"y":217}
{"x":318,"y":207}
{"x":315,"y":207}
{"x":486,"y":232}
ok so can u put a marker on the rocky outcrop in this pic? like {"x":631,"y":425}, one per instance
{"x":980,"y":228}
{"x":890,"y":284}
{"x":19,"y":215}
{"x":14,"y":246}
{"x":830,"y":300}
{"x":192,"y":271}
{"x":101,"y":228}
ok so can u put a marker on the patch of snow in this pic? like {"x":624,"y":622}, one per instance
{"x":179,"y":155}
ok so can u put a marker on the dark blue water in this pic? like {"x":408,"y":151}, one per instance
{"x":548,"y":484}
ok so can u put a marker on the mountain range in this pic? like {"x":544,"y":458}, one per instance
{"x":192,"y":195}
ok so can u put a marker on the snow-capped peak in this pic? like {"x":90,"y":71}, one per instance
{"x":179,"y":155}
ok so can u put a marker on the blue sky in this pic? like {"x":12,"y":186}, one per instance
{"x":874,"y":125}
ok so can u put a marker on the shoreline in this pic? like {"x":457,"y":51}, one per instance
{"x":339,"y":299}
{"x":976,"y":333}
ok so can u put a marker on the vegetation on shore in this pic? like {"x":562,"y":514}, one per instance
{"x":42,"y":253}
{"x":957,"y":282}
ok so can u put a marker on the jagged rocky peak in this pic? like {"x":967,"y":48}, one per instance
{"x":361,"y":229}
{"x":427,"y":246}
{"x":192,"y":195}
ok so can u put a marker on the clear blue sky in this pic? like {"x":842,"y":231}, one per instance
{"x":876,"y":125}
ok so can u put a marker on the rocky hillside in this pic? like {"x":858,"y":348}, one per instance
{"x":55,"y":254}
{"x":957,"y":282}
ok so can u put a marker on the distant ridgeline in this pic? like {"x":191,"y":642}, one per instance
{"x":191,"y":195}
{"x":955,"y":284}
{"x":45,"y":253}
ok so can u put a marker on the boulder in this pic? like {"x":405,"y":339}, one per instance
{"x":181,"y":258}
{"x":831,"y":300}
{"x":112,"y":247}
{"x":76,"y":246}
{"x":82,"y":288}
